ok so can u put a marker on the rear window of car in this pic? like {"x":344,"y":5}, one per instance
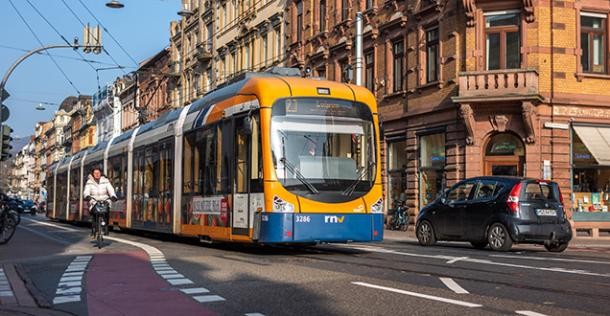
{"x":541,"y":191}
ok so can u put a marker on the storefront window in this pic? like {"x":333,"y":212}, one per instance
{"x":431,"y":167}
{"x":397,"y":166}
{"x":591,"y":169}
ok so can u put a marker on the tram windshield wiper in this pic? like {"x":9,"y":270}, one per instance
{"x":299,"y":175}
{"x":352,"y":187}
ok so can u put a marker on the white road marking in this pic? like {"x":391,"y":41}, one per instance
{"x":195,"y":290}
{"x":456,"y":260}
{"x":208,"y":298}
{"x":69,"y":287}
{"x":66,"y":299}
{"x":529,"y":313}
{"x":254,"y":314}
{"x":34,"y":222}
{"x":172,"y":271}
{"x":173,"y":276}
{"x":452,"y":285}
{"x":420,"y":295}
{"x":481,"y":261}
{"x":5,"y":287}
{"x":551,"y":259}
{"x":45,"y":235}
{"x":179,"y":281}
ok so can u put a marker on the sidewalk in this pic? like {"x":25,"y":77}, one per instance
{"x":17,"y":299}
{"x":577,"y":242}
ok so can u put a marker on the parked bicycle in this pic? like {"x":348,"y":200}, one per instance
{"x":400,"y":216}
{"x":99,"y":225}
{"x":9,"y":219}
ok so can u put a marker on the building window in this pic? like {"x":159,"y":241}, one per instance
{"x":344,"y":9}
{"x":278,"y":42}
{"x":398,"y":50}
{"x":369,"y":4}
{"x":590,"y":175}
{"x":432,"y":55}
{"x":431,"y":167}
{"x":247,"y":56}
{"x":321,"y":72}
{"x":299,"y":5}
{"x":322,"y":15}
{"x":265,"y":51}
{"x":369,"y":72}
{"x":503,"y":41}
{"x":592,"y":43}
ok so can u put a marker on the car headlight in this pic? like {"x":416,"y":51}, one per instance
{"x":377,"y":207}
{"x":282,"y":206}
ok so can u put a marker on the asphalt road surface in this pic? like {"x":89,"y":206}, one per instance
{"x":55,"y":268}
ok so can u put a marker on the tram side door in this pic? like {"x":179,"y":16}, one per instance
{"x":240,"y":217}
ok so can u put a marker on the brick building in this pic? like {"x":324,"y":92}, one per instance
{"x":470,"y":88}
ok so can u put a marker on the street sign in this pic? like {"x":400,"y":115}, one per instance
{"x":4,"y":113}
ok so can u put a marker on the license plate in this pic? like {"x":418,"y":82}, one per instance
{"x":546,"y":212}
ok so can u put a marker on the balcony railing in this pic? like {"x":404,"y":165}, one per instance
{"x":498,"y":85}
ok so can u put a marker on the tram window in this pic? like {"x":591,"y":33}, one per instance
{"x":74,"y":184}
{"x":210,"y":157}
{"x":151,"y":163}
{"x":225,"y":141}
{"x":165,"y":170}
{"x":117,"y":173}
{"x":256,"y":162}
{"x":187,"y":163}
{"x":241,"y":158}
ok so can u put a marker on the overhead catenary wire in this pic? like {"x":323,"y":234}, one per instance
{"x":108,"y":32}
{"x":41,"y":44}
{"x":116,"y":63}
{"x":64,"y":57}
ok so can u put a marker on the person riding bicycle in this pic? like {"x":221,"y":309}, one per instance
{"x":99,"y":188}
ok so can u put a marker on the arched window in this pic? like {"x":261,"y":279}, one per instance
{"x":504,"y":155}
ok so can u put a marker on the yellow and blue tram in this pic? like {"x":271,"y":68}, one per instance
{"x":266,"y":159}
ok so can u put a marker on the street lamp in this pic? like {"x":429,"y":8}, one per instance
{"x":114,"y":4}
{"x":40,"y":107}
{"x":185,"y":12}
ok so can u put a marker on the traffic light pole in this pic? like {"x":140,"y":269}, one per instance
{"x":20,"y":60}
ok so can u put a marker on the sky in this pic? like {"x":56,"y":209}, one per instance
{"x":141,"y":28}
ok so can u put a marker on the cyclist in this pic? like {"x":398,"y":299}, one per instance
{"x":99,"y":188}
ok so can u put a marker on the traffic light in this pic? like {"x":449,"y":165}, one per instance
{"x":6,"y":142}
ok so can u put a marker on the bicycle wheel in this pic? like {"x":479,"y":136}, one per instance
{"x":17,"y":216}
{"x":8,"y":228}
{"x":100,"y":236}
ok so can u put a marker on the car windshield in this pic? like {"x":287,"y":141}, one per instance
{"x":323,"y":148}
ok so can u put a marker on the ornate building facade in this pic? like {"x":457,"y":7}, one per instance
{"x":476,"y":87}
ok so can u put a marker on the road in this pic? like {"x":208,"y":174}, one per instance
{"x":54,"y":268}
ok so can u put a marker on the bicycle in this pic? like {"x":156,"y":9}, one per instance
{"x":400,"y":217}
{"x":9,"y":220}
{"x":100,"y":208}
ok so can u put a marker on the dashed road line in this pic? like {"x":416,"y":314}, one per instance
{"x":452,"y":285}
{"x":254,"y":314}
{"x":195,"y":290}
{"x":5,"y":286}
{"x":456,"y":260}
{"x":208,"y":298}
{"x":550,"y":259}
{"x":70,"y":284}
{"x":529,"y":313}
{"x":420,"y":295}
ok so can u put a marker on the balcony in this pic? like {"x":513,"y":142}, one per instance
{"x":204,"y":51}
{"x":498,"y":85}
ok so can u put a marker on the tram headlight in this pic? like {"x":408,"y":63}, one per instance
{"x":378,"y":206}
{"x":282,"y":206}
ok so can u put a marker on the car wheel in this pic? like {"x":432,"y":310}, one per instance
{"x":479,"y":244}
{"x":425,"y":234}
{"x":498,"y":238}
{"x":555,"y":247}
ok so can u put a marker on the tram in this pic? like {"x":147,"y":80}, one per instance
{"x":266,"y":159}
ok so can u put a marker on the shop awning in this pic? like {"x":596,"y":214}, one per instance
{"x":597,"y":140}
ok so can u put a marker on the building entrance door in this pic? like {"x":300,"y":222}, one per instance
{"x":504,"y":156}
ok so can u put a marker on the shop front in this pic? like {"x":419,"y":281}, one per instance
{"x":432,"y":180}
{"x":590,"y":170}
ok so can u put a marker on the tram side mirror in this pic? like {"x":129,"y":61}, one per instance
{"x":248,"y":125}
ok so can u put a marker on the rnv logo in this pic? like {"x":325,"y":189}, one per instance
{"x":334,"y":219}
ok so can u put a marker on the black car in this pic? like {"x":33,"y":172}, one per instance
{"x":30,"y":206}
{"x":15,"y":204}
{"x":497,"y":211}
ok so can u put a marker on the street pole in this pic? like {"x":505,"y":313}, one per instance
{"x":24,"y":57}
{"x":359,"y":51}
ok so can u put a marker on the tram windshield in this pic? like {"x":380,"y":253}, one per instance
{"x":323,"y":148}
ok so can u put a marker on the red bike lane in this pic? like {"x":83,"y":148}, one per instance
{"x":125,"y":284}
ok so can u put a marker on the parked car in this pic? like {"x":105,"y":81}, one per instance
{"x":15,"y":204}
{"x":497,"y":211}
{"x":29,"y":206}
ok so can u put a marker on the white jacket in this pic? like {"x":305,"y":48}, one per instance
{"x":100,"y":191}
